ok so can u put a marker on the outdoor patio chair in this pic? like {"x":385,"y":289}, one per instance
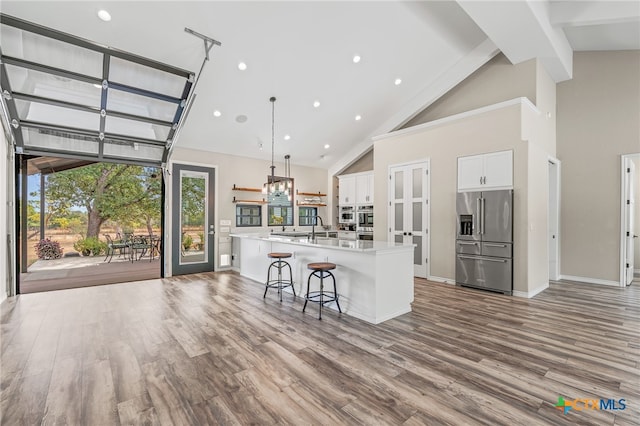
{"x":142,"y":244}
{"x":112,"y":246}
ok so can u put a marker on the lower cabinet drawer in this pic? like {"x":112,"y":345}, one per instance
{"x":492,"y":273}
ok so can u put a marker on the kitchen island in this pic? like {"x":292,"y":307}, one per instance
{"x":374,"y":278}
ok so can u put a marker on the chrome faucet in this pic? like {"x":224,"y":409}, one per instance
{"x":313,"y":227}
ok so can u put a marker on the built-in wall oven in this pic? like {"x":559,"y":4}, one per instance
{"x":365,"y":217}
{"x":347,"y":214}
{"x":364,"y":234}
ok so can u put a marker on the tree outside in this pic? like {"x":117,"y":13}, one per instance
{"x":99,"y":198}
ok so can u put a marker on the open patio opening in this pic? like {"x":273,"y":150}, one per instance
{"x":88,"y":223}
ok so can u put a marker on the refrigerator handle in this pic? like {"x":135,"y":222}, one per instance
{"x":482,"y":216}
{"x":478,"y":219}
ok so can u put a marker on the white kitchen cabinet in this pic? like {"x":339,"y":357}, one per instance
{"x":364,"y":188}
{"x":485,"y":172}
{"x":346,"y":235}
{"x":347,"y":190}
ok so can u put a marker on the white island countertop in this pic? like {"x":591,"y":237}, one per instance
{"x":374,"y":278}
{"x":327,"y":243}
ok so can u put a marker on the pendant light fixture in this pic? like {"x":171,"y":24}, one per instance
{"x":277,"y":186}
{"x":270,"y":186}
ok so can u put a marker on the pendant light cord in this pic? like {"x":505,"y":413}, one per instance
{"x":273,"y":120}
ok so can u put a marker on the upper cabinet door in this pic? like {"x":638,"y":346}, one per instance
{"x":364,"y":188}
{"x":470,"y":172}
{"x":498,"y":170}
{"x":485,"y":172}
{"x":347,"y":190}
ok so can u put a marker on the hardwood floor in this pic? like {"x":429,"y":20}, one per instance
{"x":99,"y":273}
{"x":208,"y":349}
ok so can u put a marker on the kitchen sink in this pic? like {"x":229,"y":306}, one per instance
{"x":291,"y":234}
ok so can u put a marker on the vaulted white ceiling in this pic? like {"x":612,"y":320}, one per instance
{"x":302,"y":52}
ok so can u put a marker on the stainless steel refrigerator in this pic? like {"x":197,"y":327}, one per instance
{"x":484,"y":241}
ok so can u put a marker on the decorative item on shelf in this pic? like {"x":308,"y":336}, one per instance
{"x":277,"y":186}
{"x":311,"y":199}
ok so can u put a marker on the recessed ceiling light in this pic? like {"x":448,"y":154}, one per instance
{"x":398,"y":81}
{"x":327,"y":146}
{"x":356,"y":59}
{"x":241,"y":118}
{"x":358,"y":118}
{"x":217,"y":113}
{"x":242,"y":66}
{"x":316,"y":104}
{"x":287,"y":137}
{"x":104,"y":15}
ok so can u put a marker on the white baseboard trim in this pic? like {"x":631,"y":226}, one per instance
{"x":441,"y":280}
{"x":532,"y":293}
{"x":590,"y":280}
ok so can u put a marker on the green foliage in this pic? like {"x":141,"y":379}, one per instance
{"x":90,"y":246}
{"x":187,"y":241}
{"x":124,"y":193}
{"x":47,"y":249}
{"x":193,"y":199}
{"x":33,"y":215}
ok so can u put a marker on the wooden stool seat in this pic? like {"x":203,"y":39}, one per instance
{"x":321,"y":266}
{"x":279,"y":255}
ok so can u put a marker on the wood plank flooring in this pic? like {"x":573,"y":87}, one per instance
{"x":99,"y":274}
{"x":207,"y":349}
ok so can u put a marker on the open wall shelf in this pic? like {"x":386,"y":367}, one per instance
{"x":238,"y":188}
{"x":303,"y":204}
{"x":263,"y":201}
{"x":311,"y":194}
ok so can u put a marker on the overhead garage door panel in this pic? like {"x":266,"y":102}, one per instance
{"x":64,"y":94}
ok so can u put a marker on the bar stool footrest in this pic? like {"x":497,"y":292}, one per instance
{"x":327,"y":297}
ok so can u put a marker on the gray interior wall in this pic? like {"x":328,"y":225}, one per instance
{"x":496,"y":81}
{"x":362,"y":164}
{"x":598,"y":120}
{"x":487,"y":132}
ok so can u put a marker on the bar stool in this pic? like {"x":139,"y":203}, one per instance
{"x":321,"y":270}
{"x":279,"y":283}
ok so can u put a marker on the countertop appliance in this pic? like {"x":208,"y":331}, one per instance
{"x":484,"y":241}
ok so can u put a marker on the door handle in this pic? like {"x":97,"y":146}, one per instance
{"x":490,"y":259}
{"x":404,"y":233}
{"x":495,"y":245}
{"x":464,"y":243}
{"x":409,"y":233}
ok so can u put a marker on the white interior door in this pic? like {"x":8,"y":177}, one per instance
{"x":630,"y":182}
{"x":409,"y":211}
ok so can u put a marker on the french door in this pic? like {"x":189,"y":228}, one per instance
{"x":409,"y":211}
{"x":192,"y":219}
{"x":630,"y":181}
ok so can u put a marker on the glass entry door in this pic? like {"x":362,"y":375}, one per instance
{"x":409,"y":211}
{"x":192,"y":216}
